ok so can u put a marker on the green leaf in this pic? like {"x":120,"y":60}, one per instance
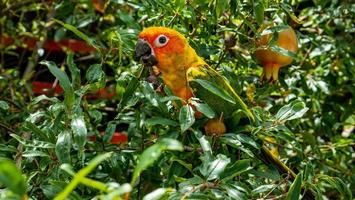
{"x":179,"y":4}
{"x":63,"y":146}
{"x":33,"y":143}
{"x":274,"y":30}
{"x":152,"y":153}
{"x":263,"y":188}
{"x":74,"y":71}
{"x":186,"y":117}
{"x":117,"y":192}
{"x":95,"y":73}
{"x":7,"y":148}
{"x":235,"y":191}
{"x":287,"y":8}
{"x":4,"y":105}
{"x":215,"y":90}
{"x":109,"y":131}
{"x":237,"y":139}
{"x":81,"y":175}
{"x":63,"y":81}
{"x":258,"y":8}
{"x":157,"y":194}
{"x":80,"y":34}
{"x":205,"y":144}
{"x":79,"y":130}
{"x":43,"y":97}
{"x":204,"y":109}
{"x":235,"y":169}
{"x":294,"y":110}
{"x":295,"y":189}
{"x":161,"y":121}
{"x":131,"y":88}
{"x":86,"y":181}
{"x":183,"y":163}
{"x":221,"y":6}
{"x":34,"y":153}
{"x":283,"y":51}
{"x":218,"y":166}
{"x":338,"y":184}
{"x":12,"y":178}
{"x":28,"y":126}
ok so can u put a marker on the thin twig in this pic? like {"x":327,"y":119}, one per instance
{"x":199,"y":187}
{"x":188,"y":148}
{"x":7,"y":128}
{"x":19,"y":4}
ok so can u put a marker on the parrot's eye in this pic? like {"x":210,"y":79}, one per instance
{"x":161,"y":41}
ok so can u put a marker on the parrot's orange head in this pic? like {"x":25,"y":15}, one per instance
{"x":160,"y":46}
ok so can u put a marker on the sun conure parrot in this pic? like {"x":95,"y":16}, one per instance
{"x":187,"y":75}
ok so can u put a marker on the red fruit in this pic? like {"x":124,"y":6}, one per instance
{"x":118,"y":138}
{"x":51,"y":45}
{"x":39,"y":87}
{"x":92,"y":138}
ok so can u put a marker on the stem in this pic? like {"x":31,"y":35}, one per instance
{"x":7,"y":128}
{"x":198,"y":187}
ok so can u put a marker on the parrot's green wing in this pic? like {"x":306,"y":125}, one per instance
{"x":212,"y":88}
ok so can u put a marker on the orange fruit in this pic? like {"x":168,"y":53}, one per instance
{"x":271,"y":60}
{"x":215,"y":127}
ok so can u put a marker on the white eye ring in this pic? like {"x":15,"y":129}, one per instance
{"x":161,"y":41}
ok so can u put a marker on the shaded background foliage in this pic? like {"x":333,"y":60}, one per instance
{"x":41,"y":133}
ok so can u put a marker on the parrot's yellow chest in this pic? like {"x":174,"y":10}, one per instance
{"x":177,"y":82}
{"x":174,"y":68}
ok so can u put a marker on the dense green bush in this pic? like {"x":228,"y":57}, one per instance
{"x":309,"y":113}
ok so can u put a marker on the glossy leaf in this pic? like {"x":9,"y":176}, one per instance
{"x":186,"y":117}
{"x":236,"y":169}
{"x":293,"y":110}
{"x":80,"y":34}
{"x":79,"y":130}
{"x":74,"y":71}
{"x":215,"y":90}
{"x":157,"y":194}
{"x":94,"y":73}
{"x":204,"y":109}
{"x":63,"y":81}
{"x":81,"y":175}
{"x":152,"y":153}
{"x":161,"y":121}
{"x":258,"y":8}
{"x":295,"y":189}
{"x":63,"y":146}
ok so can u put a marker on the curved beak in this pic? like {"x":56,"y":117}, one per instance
{"x":144,"y":51}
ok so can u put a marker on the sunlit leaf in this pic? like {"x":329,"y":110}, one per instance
{"x":11,"y":177}
{"x":152,"y":153}
{"x":63,"y":81}
{"x":295,"y":189}
{"x":63,"y":146}
{"x":186,"y":117}
{"x":157,"y":194}
{"x":293,"y":110}
{"x":215,"y":90}
{"x":78,"y":127}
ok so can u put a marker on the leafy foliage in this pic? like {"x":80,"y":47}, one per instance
{"x":307,"y":118}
